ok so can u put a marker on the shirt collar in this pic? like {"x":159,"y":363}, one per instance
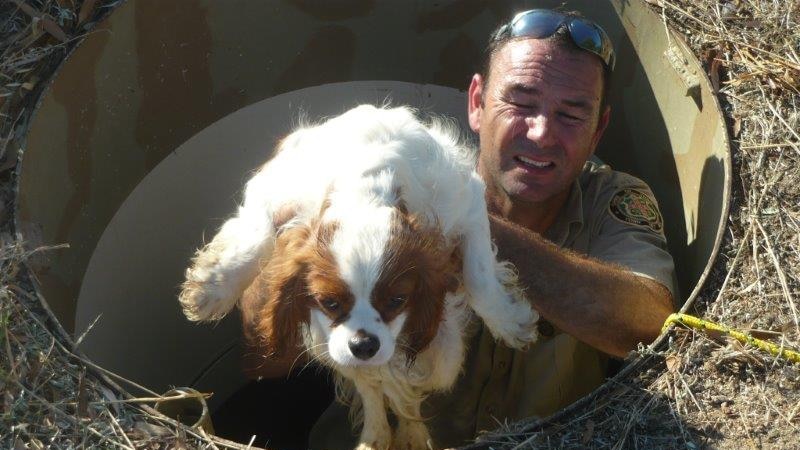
{"x":570,"y":218}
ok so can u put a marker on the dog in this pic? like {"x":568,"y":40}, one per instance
{"x":384,"y":258}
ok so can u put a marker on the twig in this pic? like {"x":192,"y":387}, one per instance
{"x":69,"y":417}
{"x":781,"y":277}
{"x":151,"y":399}
{"x":84,"y":361}
{"x":685,"y":13}
{"x":122,"y":432}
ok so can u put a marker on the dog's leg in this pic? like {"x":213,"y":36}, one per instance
{"x":445,"y":355}
{"x":376,"y":434}
{"x":491,"y":285}
{"x":411,"y":434}
{"x":223,"y":268}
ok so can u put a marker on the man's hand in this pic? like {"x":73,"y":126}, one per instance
{"x":598,"y":303}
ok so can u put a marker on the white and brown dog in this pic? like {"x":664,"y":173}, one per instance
{"x":387,"y":251}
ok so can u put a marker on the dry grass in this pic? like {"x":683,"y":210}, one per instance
{"x":50,"y":396}
{"x":695,"y":391}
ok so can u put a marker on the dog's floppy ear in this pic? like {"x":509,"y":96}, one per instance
{"x":285,"y":300}
{"x":421,"y":244}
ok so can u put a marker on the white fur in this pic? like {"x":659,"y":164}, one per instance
{"x":361,"y":162}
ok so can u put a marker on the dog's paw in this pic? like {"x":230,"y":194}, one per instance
{"x":375,"y":436}
{"x":379,"y":444}
{"x":202,"y":298}
{"x":514,"y":322}
{"x":411,"y":435}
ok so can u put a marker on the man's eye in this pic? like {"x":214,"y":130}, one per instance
{"x":330,"y":304}
{"x":520,"y":105}
{"x":570,"y":117}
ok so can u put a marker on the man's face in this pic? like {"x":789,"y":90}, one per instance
{"x":538,"y":117}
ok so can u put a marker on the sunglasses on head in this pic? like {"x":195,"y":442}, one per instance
{"x":542,"y":23}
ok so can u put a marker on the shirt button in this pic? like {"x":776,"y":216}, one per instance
{"x":501,"y":365}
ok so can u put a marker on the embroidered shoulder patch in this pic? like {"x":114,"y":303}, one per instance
{"x":637,"y":208}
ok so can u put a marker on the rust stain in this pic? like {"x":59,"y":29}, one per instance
{"x":328,"y":57}
{"x":458,"y":60}
{"x":334,"y":10}
{"x":173,"y":44}
{"x":76,"y":91}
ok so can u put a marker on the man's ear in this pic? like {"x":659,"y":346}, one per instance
{"x":601,"y":127}
{"x":475,"y":102}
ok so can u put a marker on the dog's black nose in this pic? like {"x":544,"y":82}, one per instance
{"x":364,"y":345}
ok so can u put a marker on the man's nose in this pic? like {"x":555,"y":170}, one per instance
{"x":540,"y":130}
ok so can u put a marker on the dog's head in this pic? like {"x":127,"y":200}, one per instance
{"x":365,"y":288}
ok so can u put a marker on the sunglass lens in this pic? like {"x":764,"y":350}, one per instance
{"x":587,"y":36}
{"x":536,"y":24}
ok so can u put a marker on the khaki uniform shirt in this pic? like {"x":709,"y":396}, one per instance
{"x":610,"y":216}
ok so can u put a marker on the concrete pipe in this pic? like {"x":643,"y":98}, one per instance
{"x":142,"y":142}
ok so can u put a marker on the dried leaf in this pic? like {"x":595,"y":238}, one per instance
{"x":52,"y":27}
{"x":87,"y":10}
{"x":35,"y":444}
{"x":179,"y":443}
{"x":35,"y":367}
{"x":763,"y":334}
{"x":673,"y":363}
{"x":26,"y":8}
{"x":112,"y":398}
{"x":586,"y":437}
{"x":149,"y":429}
{"x":83,"y":396}
{"x":713,"y":74}
{"x":42,"y":21}
{"x":715,"y":335}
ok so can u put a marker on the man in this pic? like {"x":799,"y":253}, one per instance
{"x":587,"y":241}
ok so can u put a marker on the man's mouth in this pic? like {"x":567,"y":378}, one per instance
{"x":527,"y":162}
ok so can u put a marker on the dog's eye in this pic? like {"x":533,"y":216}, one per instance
{"x":330,"y":304}
{"x":398,"y":301}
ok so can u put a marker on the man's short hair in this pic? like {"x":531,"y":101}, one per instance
{"x":561,"y":38}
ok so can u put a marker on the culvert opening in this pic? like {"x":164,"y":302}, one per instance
{"x":154,"y":122}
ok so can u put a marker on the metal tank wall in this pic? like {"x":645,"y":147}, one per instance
{"x":143,"y":141}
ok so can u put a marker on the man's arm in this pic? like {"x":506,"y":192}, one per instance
{"x":602,"y":305}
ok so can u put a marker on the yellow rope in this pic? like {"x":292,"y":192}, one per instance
{"x":700,"y":324}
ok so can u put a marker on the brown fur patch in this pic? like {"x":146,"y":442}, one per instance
{"x":280,"y":291}
{"x":301,"y":274}
{"x":324,"y":282}
{"x":420,"y":265}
